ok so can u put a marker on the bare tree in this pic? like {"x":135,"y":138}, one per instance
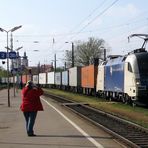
{"x":85,"y":52}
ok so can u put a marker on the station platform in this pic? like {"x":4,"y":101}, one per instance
{"x":54,"y":127}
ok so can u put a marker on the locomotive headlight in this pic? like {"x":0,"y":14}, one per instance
{"x":137,"y":81}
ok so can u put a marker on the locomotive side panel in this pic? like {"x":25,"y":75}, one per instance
{"x":114,"y":76}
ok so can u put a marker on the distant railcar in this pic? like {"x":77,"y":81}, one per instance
{"x":35,"y":79}
{"x":11,"y":80}
{"x":58,"y":79}
{"x":4,"y":80}
{"x":43,"y":79}
{"x":65,"y":80}
{"x":51,"y":79}
{"x":75,"y":79}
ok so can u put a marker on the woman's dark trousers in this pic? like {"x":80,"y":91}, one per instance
{"x":30,"y":121}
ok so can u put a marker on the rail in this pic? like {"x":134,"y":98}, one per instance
{"x":131,"y":134}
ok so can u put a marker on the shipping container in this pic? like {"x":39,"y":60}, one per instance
{"x":75,"y":77}
{"x":89,"y":76}
{"x":65,"y":78}
{"x":58,"y":78}
{"x":35,"y":79}
{"x":17,"y":79}
{"x":11,"y":80}
{"x":43,"y":78}
{"x":4,"y":80}
{"x":50,"y":78}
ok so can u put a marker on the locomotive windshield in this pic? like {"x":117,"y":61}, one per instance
{"x":142,"y":60}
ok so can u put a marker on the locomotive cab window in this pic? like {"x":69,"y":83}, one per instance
{"x":130,"y":67}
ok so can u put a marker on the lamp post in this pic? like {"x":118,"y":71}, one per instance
{"x":11,"y":30}
{"x":72,"y":54}
{"x":16,"y":65}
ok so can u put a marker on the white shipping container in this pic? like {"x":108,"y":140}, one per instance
{"x":35,"y":79}
{"x":75,"y":76}
{"x":42,"y":78}
{"x":11,"y":80}
{"x":65,"y":78}
{"x":3,"y":79}
{"x":50,"y":77}
{"x":58,"y":78}
{"x":17,"y":79}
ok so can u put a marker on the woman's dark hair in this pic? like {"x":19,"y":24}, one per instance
{"x":30,"y":84}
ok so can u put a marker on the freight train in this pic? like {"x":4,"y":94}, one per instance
{"x":123,"y":78}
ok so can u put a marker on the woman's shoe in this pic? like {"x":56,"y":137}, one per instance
{"x":31,"y":135}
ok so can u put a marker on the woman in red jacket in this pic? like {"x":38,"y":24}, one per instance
{"x":30,"y":105}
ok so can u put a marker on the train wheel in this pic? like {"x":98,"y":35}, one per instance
{"x":123,"y":99}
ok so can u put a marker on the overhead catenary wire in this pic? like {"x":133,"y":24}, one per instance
{"x":93,"y":11}
{"x":96,"y":17}
{"x":101,"y":13}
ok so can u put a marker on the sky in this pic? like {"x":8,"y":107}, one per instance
{"x":48,"y":24}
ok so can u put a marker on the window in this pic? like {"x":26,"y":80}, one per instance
{"x":129,"y":67}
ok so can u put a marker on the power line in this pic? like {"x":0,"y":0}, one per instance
{"x":98,"y":16}
{"x":93,"y":11}
{"x":74,"y":33}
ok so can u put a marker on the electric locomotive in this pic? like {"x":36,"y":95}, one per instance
{"x":125,"y":77}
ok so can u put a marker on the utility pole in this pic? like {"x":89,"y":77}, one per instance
{"x":38,"y":71}
{"x":104,"y":54}
{"x":55,"y":62}
{"x":12,"y":63}
{"x":72,"y":54}
{"x":65,"y":65}
{"x":8,"y":85}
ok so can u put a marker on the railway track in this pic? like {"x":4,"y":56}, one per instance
{"x":133,"y":135}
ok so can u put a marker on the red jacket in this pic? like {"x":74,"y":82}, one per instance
{"x":31,"y":99}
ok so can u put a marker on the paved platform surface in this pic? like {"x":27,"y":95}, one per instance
{"x":55,"y":127}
